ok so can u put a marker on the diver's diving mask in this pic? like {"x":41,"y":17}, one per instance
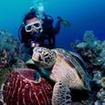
{"x":34,"y":26}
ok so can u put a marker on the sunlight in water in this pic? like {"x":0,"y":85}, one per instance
{"x":39,"y":6}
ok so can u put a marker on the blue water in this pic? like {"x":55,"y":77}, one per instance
{"x":83,"y":15}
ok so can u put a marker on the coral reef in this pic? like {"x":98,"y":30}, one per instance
{"x":19,"y":86}
{"x":101,"y":93}
{"x":92,"y":51}
{"x":12,"y":54}
{"x":22,"y":89}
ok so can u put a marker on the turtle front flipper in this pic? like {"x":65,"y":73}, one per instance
{"x":61,"y":94}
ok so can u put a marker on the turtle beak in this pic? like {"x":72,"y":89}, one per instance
{"x":30,"y":62}
{"x":35,"y":57}
{"x":33,"y":60}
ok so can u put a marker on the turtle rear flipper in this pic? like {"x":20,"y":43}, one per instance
{"x":61,"y":94}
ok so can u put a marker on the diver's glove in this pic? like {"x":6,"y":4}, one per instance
{"x":64,"y":22}
{"x":33,"y":44}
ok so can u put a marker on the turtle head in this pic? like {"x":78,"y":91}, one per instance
{"x":43,"y":57}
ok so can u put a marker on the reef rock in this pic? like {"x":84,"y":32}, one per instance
{"x":92,"y":51}
{"x":21,"y":88}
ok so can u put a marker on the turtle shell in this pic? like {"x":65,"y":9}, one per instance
{"x":74,"y":60}
{"x":21,"y":89}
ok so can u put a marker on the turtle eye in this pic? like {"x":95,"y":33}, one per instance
{"x":47,"y":60}
{"x":46,"y":55}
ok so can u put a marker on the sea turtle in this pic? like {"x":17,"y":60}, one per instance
{"x":63,"y":68}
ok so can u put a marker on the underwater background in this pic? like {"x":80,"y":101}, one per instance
{"x":83,"y":15}
{"x":86,"y":22}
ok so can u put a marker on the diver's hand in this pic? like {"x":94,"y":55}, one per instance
{"x":64,"y":22}
{"x":34,"y":45}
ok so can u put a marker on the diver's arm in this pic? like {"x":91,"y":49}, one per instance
{"x":48,"y":17}
{"x":57,"y":26}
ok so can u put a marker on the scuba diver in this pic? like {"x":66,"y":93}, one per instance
{"x":39,"y":32}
